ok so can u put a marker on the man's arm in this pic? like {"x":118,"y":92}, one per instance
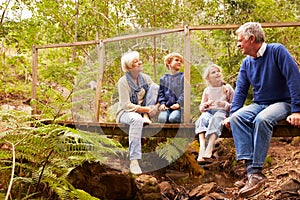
{"x":241,"y":90}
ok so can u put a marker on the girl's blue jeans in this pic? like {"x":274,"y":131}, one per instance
{"x":210,"y":122}
{"x":252,"y":128}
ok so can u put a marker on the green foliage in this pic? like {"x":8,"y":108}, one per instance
{"x":268,"y":161}
{"x":14,"y":75}
{"x":172,"y":149}
{"x":57,"y":22}
{"x":64,"y":73}
{"x":45,"y":154}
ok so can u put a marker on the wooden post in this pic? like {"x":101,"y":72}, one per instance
{"x":187,"y":76}
{"x":34,"y":77}
{"x":101,"y":56}
{"x":154,"y":58}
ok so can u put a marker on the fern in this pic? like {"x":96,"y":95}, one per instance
{"x":45,"y":155}
{"x":172,"y":149}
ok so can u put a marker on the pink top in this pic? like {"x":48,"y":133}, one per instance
{"x":219,"y":98}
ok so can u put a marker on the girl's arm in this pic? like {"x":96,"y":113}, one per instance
{"x":205,"y":102}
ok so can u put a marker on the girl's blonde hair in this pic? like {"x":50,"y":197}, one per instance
{"x":168,"y":58}
{"x":127,"y":59}
{"x":206,"y":74}
{"x":207,"y":70}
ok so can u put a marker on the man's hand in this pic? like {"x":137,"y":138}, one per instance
{"x":294,"y":119}
{"x":226,"y":122}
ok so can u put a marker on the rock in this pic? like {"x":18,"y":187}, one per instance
{"x":107,"y":183}
{"x":202,"y":190}
{"x":290,"y":185}
{"x":148,"y":188}
{"x":103,"y":182}
{"x":167,"y":190}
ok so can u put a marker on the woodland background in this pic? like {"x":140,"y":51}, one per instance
{"x":26,"y":23}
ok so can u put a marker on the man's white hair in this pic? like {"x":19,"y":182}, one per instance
{"x":252,"y":28}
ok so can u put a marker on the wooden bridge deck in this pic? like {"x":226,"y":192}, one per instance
{"x":282,"y":129}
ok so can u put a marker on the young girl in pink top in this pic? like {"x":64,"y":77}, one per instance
{"x":215,"y":106}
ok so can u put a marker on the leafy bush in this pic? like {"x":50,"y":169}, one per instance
{"x":35,"y":159}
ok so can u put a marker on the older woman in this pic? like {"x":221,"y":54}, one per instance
{"x":137,"y":99}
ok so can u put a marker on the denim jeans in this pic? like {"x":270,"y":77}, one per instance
{"x":252,"y":128}
{"x":136,"y":122}
{"x":210,"y":122}
{"x":169,"y":116}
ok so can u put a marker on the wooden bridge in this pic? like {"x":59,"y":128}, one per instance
{"x":187,"y":130}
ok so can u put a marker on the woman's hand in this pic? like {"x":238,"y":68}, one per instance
{"x":153,"y":109}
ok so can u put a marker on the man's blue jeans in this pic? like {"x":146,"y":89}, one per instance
{"x":252,"y":128}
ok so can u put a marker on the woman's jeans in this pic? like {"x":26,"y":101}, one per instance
{"x":252,"y":128}
{"x":136,"y":122}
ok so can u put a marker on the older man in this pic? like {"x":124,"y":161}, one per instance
{"x":275,"y":80}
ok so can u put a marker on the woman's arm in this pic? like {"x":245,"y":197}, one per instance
{"x":124,"y":96}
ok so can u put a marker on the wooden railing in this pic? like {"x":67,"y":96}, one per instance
{"x":101,"y":57}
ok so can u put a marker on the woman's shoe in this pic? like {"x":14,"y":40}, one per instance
{"x":135,"y":167}
{"x":147,"y":121}
{"x":206,"y":160}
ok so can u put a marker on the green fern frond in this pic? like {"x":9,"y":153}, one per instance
{"x":5,"y":155}
{"x":82,"y":195}
{"x":172,"y":149}
{"x":45,"y":154}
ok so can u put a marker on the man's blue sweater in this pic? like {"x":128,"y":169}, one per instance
{"x":274,"y":77}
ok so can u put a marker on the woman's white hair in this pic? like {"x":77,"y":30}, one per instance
{"x":127,"y":58}
{"x":252,"y":28}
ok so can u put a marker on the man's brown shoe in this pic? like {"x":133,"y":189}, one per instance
{"x":253,"y":185}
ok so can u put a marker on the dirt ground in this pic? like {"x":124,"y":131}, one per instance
{"x":283,"y":171}
{"x":282,"y":168}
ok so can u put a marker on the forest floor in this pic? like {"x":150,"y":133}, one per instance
{"x":281,"y":168}
{"x":282,"y":165}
